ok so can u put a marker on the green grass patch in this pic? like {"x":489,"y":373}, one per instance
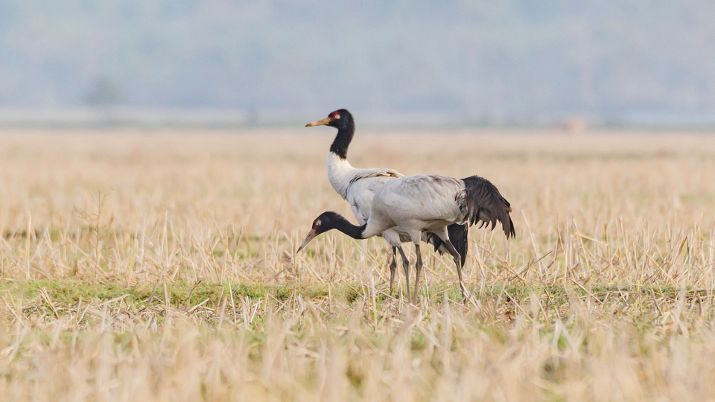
{"x":186,"y":294}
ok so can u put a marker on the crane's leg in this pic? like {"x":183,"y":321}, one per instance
{"x":406,"y":267}
{"x":418,"y":269}
{"x":458,"y":263}
{"x":457,"y":260}
{"x":393,"y":268}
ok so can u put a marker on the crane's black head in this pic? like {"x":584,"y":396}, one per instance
{"x":324,"y":222}
{"x":339,"y":119}
{"x":343,"y":121}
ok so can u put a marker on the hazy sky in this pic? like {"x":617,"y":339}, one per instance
{"x":490,"y":61}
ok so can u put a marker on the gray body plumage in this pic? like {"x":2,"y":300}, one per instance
{"x":431,"y":202}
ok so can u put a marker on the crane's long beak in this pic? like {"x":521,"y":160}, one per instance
{"x":322,"y":122}
{"x":311,"y":235}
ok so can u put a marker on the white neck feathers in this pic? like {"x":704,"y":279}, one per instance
{"x":340,"y":173}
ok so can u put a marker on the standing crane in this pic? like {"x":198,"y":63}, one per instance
{"x":410,"y":205}
{"x":359,"y":186}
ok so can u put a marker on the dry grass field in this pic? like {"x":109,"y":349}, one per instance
{"x":155,"y":266}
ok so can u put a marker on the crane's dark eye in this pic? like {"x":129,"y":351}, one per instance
{"x":335,"y":116}
{"x":317,"y":222}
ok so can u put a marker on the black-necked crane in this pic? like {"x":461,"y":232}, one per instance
{"x":411,"y":205}
{"x":359,"y":186}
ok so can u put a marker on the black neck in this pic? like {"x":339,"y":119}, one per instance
{"x":349,"y":229}
{"x":342,"y":140}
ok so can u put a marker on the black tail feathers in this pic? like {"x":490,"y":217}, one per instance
{"x":457,"y":235}
{"x":435,"y":241}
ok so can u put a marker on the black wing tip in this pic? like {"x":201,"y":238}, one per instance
{"x":507,"y":225}
{"x":496,"y":205}
{"x":509,"y":230}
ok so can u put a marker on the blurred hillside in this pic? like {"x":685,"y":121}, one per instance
{"x":513,"y":61}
